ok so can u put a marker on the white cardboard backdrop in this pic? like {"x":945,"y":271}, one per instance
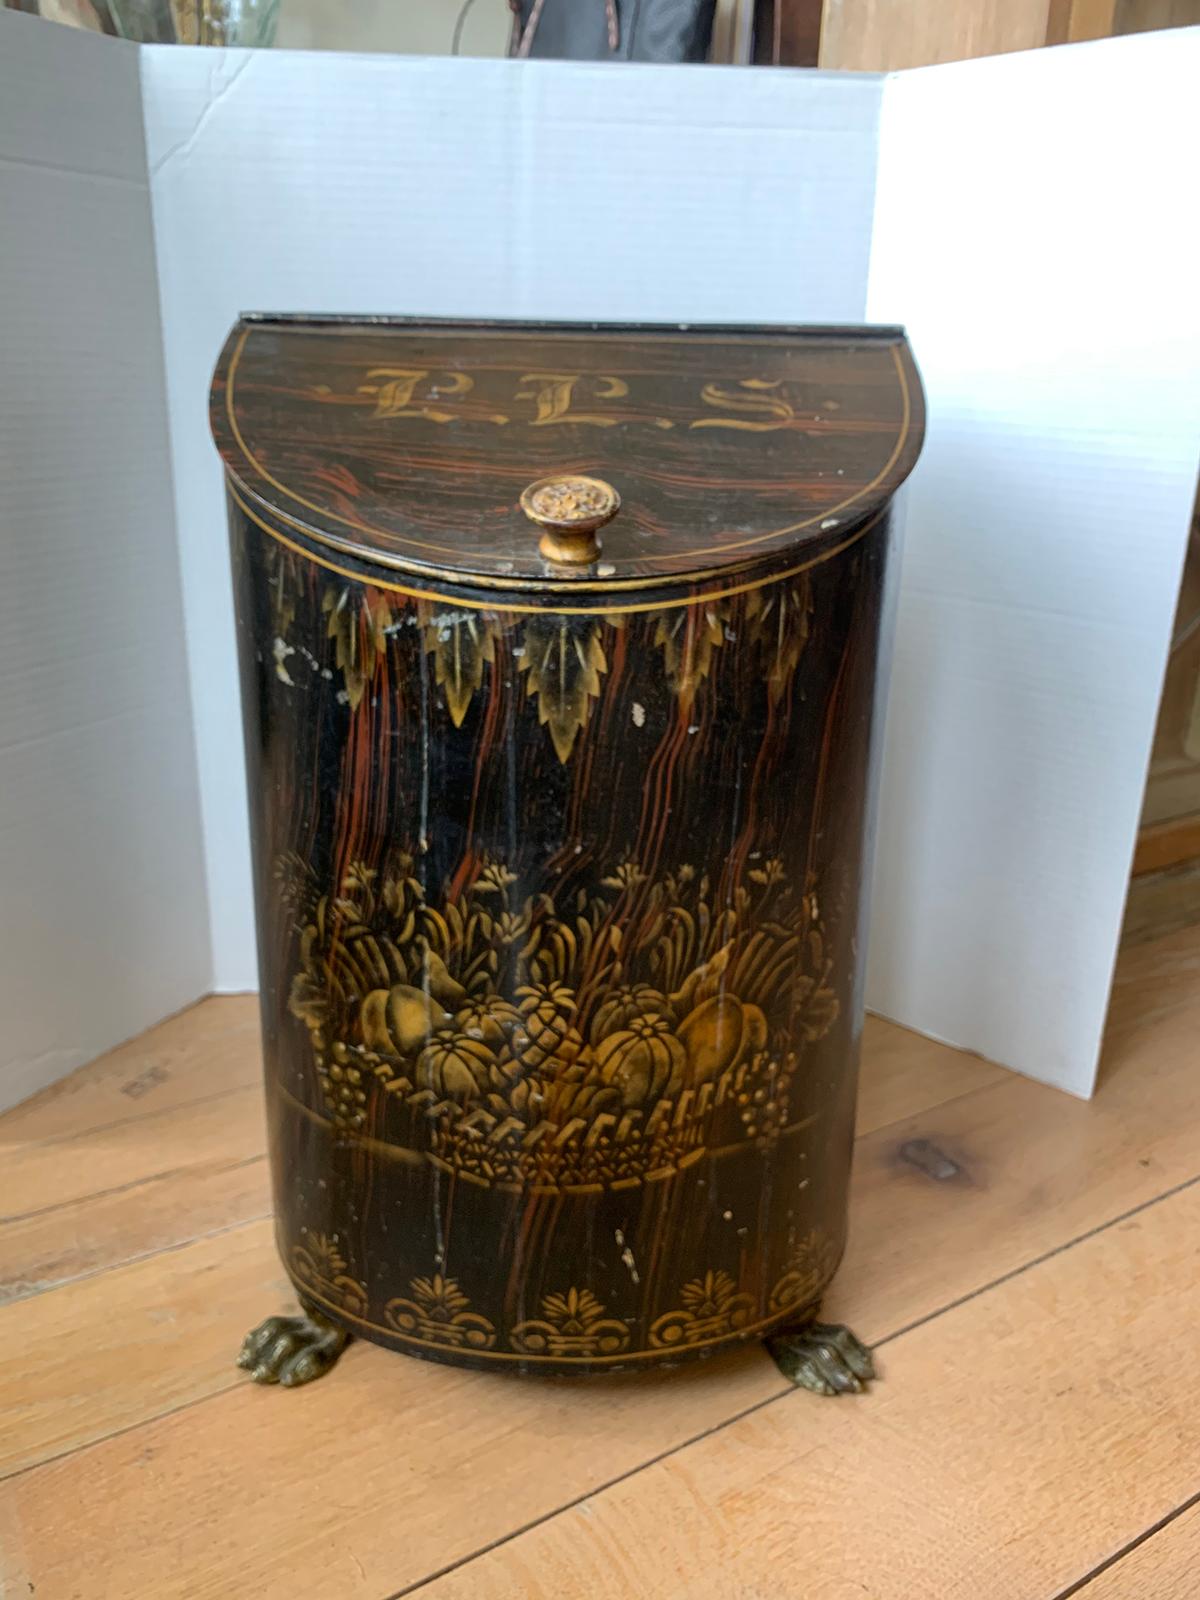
{"x":103,"y":917}
{"x":1036,"y":227}
{"x":1046,"y":526}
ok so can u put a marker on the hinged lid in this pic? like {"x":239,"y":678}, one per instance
{"x":435,"y":447}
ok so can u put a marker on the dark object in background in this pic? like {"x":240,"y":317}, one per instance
{"x":787,"y":33}
{"x":559,"y":864}
{"x":612,"y":30}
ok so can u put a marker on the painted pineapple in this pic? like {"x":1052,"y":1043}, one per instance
{"x":546,"y":1037}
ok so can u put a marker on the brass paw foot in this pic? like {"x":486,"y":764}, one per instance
{"x":824,"y":1357}
{"x":292,"y":1350}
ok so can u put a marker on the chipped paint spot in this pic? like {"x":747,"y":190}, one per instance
{"x":626,"y":1255}
{"x":282,"y":650}
{"x":639,"y":715}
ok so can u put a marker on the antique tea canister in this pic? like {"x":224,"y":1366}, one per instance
{"x":559,"y":651}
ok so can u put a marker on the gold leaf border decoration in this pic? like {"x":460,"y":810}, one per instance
{"x":572,"y":1325}
{"x":810,"y":1267}
{"x":563,"y":661}
{"x":440,"y":1313}
{"x":561,"y":654}
{"x":318,"y":1264}
{"x":710,"y":1307}
{"x":780,"y":619}
{"x":461,"y":643}
{"x":687,"y":638}
{"x":357,"y":621}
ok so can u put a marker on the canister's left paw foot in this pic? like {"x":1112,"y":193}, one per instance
{"x":292,"y":1350}
{"x":824,"y":1357}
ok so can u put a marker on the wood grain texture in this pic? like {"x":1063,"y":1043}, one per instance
{"x":95,"y":1232}
{"x":1160,"y":902}
{"x":1071,"y":21}
{"x":226,"y":1127}
{"x":1026,"y":1168}
{"x":1167,"y":844}
{"x":358,"y":1487}
{"x":116,"y":1349}
{"x":1165,"y":892}
{"x":1143,"y":16}
{"x":1166,"y":1566}
{"x":1153,"y":983}
{"x":963,"y":1467}
{"x":904,"y":1075}
{"x":205,"y":1051}
{"x":155,"y":1144}
{"x":887,"y":35}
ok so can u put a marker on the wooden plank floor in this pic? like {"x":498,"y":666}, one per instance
{"x":1027,"y":1267}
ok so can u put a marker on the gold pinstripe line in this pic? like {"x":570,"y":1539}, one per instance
{"x":502,"y":604}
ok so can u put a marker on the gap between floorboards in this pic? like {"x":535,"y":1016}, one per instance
{"x":1126,"y":1549}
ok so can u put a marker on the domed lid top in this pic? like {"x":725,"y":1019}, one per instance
{"x":545,"y":455}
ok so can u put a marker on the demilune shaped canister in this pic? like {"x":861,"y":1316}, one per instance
{"x":560,"y":652}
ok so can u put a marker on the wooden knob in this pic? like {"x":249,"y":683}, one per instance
{"x":569,"y":510}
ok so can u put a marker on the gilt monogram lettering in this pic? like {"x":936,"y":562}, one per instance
{"x":753,"y":405}
{"x":755,"y":398}
{"x":554,"y":391}
{"x":396,"y":391}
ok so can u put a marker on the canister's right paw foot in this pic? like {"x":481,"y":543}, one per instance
{"x":824,"y":1357}
{"x":292,"y":1350}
